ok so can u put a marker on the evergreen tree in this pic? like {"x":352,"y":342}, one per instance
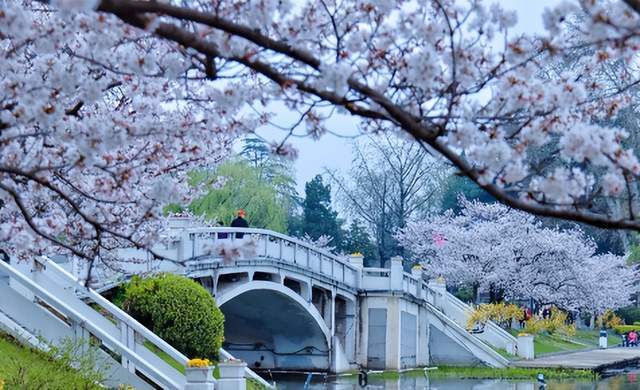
{"x":318,"y":217}
{"x":460,"y":185}
{"x":357,"y":239}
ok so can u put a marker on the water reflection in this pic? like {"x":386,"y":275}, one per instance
{"x":621,"y":381}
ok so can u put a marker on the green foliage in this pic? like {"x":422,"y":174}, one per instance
{"x":318,"y":217}
{"x":462,"y":185}
{"x":609,"y":320}
{"x":69,"y":366}
{"x":173,"y":208}
{"x":356,"y":239}
{"x":178,"y":310}
{"x":629,"y":315}
{"x":634,"y":254}
{"x":620,"y":329}
{"x":464,"y":293}
{"x":245,"y":188}
{"x":272,"y":169}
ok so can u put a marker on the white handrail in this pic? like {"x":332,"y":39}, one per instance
{"x":269,"y":233}
{"x":477,"y":342}
{"x":136,"y":326}
{"x":119,"y":314}
{"x":495,"y":327}
{"x":88,"y":323}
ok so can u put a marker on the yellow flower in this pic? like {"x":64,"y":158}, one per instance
{"x":356,"y":254}
{"x":201,"y":363}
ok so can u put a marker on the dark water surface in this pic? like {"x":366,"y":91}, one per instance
{"x":629,"y":380}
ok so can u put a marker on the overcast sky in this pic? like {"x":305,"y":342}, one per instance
{"x":334,"y":152}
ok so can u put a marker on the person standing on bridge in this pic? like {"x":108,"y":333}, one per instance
{"x":240,"y":222}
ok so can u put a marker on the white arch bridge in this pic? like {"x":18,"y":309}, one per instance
{"x":289,"y":305}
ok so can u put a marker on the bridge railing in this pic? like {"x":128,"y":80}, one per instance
{"x":260,"y":243}
{"x":376,"y":278}
{"x":492,"y":333}
{"x":119,"y":334}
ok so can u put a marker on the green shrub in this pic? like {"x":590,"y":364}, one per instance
{"x":629,"y":314}
{"x":178,"y":310}
{"x":620,"y":329}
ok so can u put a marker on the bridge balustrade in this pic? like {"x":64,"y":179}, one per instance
{"x":376,"y":279}
{"x":248,"y":243}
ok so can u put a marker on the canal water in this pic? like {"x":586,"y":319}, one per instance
{"x":622,"y":380}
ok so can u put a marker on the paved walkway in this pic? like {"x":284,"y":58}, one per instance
{"x":596,"y":359}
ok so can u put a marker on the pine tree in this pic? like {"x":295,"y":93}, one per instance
{"x":318,"y":217}
{"x":357,"y":239}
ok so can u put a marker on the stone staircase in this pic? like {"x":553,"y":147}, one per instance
{"x":41,"y":304}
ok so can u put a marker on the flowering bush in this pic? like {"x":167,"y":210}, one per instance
{"x":501,"y":313}
{"x":556,"y":324}
{"x":201,"y":363}
{"x":609,"y":320}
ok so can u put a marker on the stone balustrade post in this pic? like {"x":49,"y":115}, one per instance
{"x":199,"y":378}
{"x":525,"y":346}
{"x":396,"y":273}
{"x":357,"y":259}
{"x":232,"y":376}
{"x":439,"y":288}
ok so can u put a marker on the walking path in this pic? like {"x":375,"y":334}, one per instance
{"x":596,"y":359}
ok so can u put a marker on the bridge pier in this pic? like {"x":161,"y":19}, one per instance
{"x":394,"y":333}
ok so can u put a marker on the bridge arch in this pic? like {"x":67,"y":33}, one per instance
{"x":268,"y":325}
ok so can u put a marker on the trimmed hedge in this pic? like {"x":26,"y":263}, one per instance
{"x":629,"y":314}
{"x":620,"y":329}
{"x":178,"y":310}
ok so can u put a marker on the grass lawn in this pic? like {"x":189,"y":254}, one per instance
{"x":590,"y":337}
{"x":24,"y":368}
{"x":583,"y":339}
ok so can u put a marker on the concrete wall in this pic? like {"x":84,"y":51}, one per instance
{"x":444,"y":350}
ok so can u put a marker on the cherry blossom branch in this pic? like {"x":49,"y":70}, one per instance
{"x":133,"y":12}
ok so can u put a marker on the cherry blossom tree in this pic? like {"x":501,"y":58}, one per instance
{"x":511,"y":255}
{"x":106,"y":103}
{"x":475,"y":248}
{"x":447,"y":74}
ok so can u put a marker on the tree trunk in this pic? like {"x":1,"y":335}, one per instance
{"x":476,"y":293}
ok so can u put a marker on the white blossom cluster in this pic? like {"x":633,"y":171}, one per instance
{"x":99,"y":123}
{"x":490,"y":246}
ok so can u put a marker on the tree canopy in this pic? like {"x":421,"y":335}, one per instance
{"x":511,"y":255}
{"x":318,"y":216}
{"x":241,"y":188}
{"x":106,"y":105}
